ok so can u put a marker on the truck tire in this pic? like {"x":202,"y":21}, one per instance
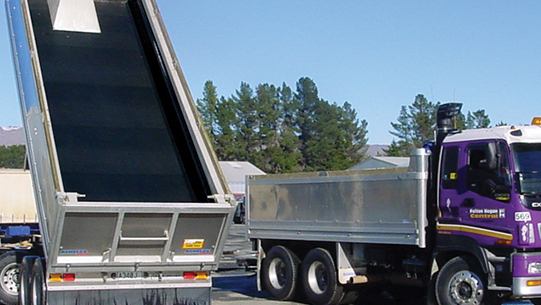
{"x":27,"y":264}
{"x":461,"y":281}
{"x":9,"y":278}
{"x":37,"y":283}
{"x":319,"y":279}
{"x":279,"y":272}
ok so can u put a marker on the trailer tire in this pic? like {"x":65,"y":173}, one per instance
{"x":37,"y":283}
{"x":279,"y":273}
{"x":9,"y":278}
{"x":461,"y":281}
{"x":319,"y":279}
{"x":27,"y":264}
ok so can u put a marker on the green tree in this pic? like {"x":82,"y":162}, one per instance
{"x":12,"y":156}
{"x":207,"y":107}
{"x":281,"y":131}
{"x":416,"y":125}
{"x":477,"y":119}
{"x":227,"y":140}
{"x":332,"y":138}
{"x":289,"y":158}
{"x":248,"y":122}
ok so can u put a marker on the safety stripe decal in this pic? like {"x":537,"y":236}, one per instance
{"x":475,"y":230}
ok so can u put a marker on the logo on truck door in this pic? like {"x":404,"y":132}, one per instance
{"x":487,"y":213}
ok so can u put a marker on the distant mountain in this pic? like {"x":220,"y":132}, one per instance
{"x":11,"y":136}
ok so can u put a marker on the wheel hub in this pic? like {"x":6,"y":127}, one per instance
{"x":317,"y":277}
{"x":277,"y":273}
{"x":10,"y":279}
{"x":466,"y":288}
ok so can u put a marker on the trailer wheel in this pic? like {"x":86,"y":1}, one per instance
{"x":279,"y":273}
{"x":37,"y":283}
{"x":460,"y":282}
{"x":319,"y":279}
{"x":27,"y":264}
{"x":9,"y":278}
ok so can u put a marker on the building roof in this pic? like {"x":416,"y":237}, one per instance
{"x":236,"y":171}
{"x":382,"y":162}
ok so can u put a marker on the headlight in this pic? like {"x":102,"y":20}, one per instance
{"x":534,"y":267}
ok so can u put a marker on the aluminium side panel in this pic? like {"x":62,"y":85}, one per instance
{"x":36,"y":121}
{"x":349,"y":206}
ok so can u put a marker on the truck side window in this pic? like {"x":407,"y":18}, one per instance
{"x":449,"y":177}
{"x":488,"y":170}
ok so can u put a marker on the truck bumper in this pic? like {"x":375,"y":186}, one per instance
{"x":527,"y":274}
{"x":522,"y":288}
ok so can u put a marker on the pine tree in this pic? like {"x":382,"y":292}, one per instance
{"x":477,"y":119}
{"x":281,"y":131}
{"x":227,"y":139}
{"x":248,"y":122}
{"x":416,"y":125}
{"x":207,"y":107}
{"x":288,"y":157}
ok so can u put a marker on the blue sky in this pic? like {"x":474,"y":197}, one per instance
{"x":377,"y":55}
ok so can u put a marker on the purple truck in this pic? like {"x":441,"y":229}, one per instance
{"x":463,"y":220}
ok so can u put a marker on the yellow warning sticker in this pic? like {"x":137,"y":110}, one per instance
{"x":193,"y":243}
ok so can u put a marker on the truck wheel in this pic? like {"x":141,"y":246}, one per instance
{"x":9,"y":278}
{"x":459,"y":282}
{"x":37,"y":283}
{"x":319,"y":280}
{"x":279,"y":273}
{"x":25,"y":276}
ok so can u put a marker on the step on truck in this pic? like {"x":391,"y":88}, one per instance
{"x":132,"y":206}
{"x":463,"y":220}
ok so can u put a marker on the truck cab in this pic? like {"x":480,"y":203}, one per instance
{"x":488,"y":203}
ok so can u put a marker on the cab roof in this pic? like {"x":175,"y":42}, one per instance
{"x":511,"y":134}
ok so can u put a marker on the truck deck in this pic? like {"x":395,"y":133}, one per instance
{"x":369,"y":206}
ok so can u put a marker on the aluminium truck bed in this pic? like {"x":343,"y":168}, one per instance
{"x":372,"y":206}
{"x":129,"y":193}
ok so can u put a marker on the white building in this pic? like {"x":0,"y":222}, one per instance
{"x":235,"y":173}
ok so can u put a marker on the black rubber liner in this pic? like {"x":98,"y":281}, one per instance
{"x":118,"y":130}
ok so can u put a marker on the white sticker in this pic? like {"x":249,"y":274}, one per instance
{"x":523,"y":216}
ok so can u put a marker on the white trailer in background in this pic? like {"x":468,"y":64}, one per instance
{"x":132,"y":206}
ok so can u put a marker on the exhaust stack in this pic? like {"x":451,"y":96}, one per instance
{"x":446,"y":120}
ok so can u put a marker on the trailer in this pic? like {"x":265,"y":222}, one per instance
{"x":132,"y":205}
{"x":18,"y":226}
{"x":461,"y":221}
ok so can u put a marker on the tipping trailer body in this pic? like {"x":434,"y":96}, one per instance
{"x":131,"y":202}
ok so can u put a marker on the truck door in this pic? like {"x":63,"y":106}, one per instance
{"x":474,"y":192}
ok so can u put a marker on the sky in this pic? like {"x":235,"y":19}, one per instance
{"x":376,"y":55}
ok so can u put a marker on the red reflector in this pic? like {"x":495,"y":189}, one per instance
{"x":189,"y":275}
{"x":68,"y":277}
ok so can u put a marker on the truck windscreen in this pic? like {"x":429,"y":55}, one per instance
{"x":527,"y":166}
